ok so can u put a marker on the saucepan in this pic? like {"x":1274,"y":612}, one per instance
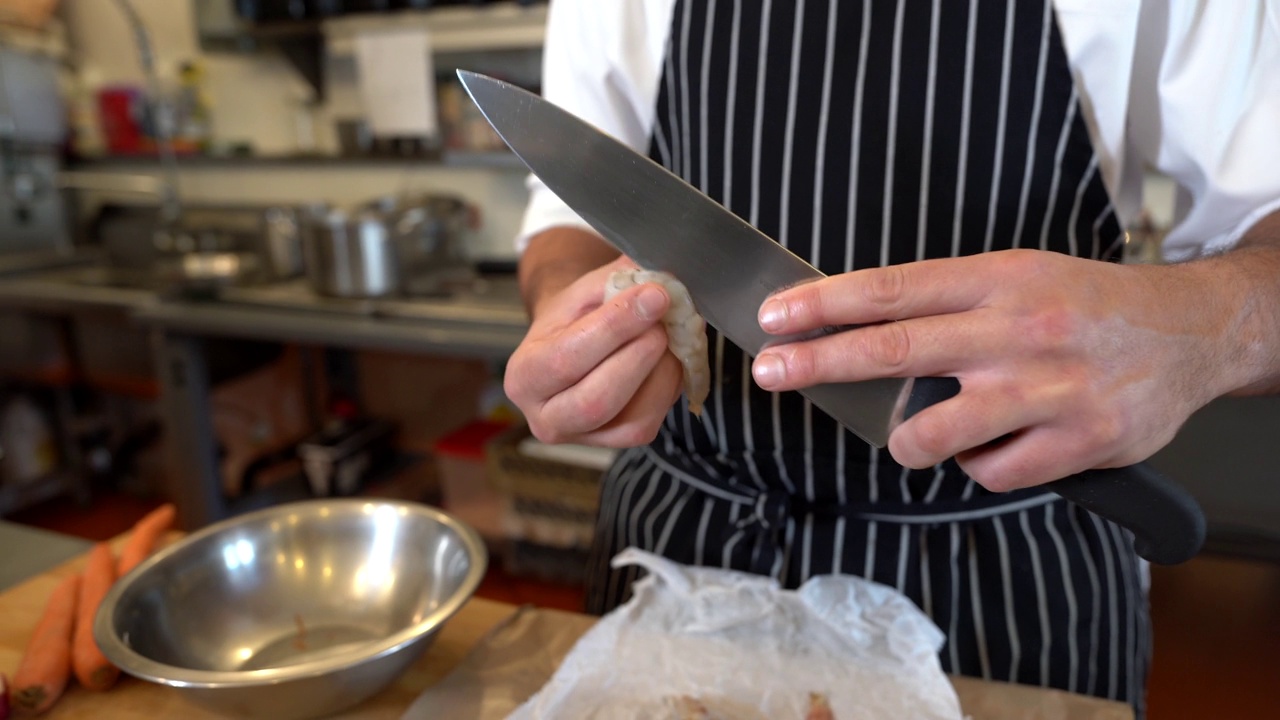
{"x":387,"y":246}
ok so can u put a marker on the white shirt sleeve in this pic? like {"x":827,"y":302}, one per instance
{"x":589,"y":67}
{"x":1205,"y":111}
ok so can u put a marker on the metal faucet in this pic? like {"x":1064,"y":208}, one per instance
{"x":170,"y":203}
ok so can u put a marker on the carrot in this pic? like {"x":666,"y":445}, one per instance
{"x":46,"y":665}
{"x":92,"y":668}
{"x":144,"y":538}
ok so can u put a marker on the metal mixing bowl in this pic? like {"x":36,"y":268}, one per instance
{"x":294,"y":611}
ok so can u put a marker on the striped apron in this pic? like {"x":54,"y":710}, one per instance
{"x":863,"y":134}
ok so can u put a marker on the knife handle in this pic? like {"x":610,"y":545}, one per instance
{"x":1167,"y":523}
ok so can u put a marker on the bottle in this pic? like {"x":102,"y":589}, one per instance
{"x":27,"y":448}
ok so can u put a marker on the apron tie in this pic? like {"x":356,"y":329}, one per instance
{"x":761,"y":527}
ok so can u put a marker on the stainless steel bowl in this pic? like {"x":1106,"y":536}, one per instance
{"x":295,"y":611}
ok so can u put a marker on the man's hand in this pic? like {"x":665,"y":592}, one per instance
{"x":1065,"y":364}
{"x":592,"y":372}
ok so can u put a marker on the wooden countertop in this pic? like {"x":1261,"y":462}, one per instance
{"x":130,"y":699}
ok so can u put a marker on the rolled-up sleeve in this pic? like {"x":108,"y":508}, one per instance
{"x":1205,"y":111}
{"x":600,"y":62}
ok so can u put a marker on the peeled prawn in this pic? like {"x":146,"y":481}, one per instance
{"x":686,"y":330}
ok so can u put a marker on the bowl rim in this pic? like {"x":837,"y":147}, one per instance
{"x":138,"y":665}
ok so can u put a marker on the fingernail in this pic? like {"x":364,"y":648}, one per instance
{"x":769,"y":370}
{"x":650,"y":303}
{"x":773,"y":315}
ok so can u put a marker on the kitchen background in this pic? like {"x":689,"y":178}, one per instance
{"x":169,"y":331}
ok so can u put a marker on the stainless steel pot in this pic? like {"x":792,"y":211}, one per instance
{"x":386,"y":247}
{"x":353,"y":257}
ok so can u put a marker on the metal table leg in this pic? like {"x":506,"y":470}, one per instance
{"x":193,"y":480}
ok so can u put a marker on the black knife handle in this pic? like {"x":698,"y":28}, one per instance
{"x":1167,"y":523}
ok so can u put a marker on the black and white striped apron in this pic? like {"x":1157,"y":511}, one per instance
{"x":862,"y":134}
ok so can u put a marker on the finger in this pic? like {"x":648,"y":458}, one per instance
{"x":565,"y":358}
{"x":1034,"y":457}
{"x":603,"y":393}
{"x":976,"y":419}
{"x":930,"y":287}
{"x":588,"y":290}
{"x":934,"y":346}
{"x":639,"y":421}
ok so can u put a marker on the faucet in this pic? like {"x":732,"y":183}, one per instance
{"x":170,"y":204}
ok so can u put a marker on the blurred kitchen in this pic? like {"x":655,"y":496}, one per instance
{"x":253,"y":251}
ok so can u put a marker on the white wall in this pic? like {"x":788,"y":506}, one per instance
{"x":258,"y":99}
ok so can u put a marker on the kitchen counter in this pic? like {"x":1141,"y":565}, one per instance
{"x":28,"y":551}
{"x":487,"y":322}
{"x":20,"y":608}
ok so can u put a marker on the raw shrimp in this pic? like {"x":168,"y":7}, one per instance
{"x":686,"y":330}
{"x":688,"y":708}
{"x":819,"y":708}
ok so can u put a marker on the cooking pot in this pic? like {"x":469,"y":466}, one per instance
{"x":386,"y":247}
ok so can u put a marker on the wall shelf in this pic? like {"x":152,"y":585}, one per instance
{"x":465,"y":160}
{"x":512,"y":25}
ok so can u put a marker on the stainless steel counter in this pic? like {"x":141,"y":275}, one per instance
{"x":30,"y":551}
{"x":486,"y":321}
{"x":69,"y":290}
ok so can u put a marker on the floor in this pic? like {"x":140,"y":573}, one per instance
{"x":1217,"y":619}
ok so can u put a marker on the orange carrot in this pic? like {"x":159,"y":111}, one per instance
{"x":92,"y":668}
{"x":46,"y":665}
{"x":145,"y":536}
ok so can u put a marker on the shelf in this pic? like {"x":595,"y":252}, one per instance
{"x":15,"y":497}
{"x":494,"y":160}
{"x":497,"y":26}
{"x":453,"y":30}
{"x":49,"y":41}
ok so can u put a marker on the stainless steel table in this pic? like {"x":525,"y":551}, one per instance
{"x":485,"y":322}
{"x":29,"y":551}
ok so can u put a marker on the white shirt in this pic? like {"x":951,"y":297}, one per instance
{"x":1187,"y":88}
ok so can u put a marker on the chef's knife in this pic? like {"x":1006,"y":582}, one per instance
{"x":730,"y":268}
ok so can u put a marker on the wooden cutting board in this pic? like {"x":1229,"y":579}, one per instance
{"x":133,"y":699}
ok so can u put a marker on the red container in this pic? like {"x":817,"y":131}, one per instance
{"x":121,"y":111}
{"x":466,"y":489}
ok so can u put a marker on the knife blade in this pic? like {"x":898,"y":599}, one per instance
{"x":663,"y":223}
{"x":730,"y":268}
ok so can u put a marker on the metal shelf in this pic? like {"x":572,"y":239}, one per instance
{"x":454,"y":30}
{"x":499,"y":160}
{"x":495,"y":26}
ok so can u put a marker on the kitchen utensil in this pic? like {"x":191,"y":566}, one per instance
{"x":351,"y":256}
{"x":389,"y":246}
{"x":729,"y":267}
{"x":296,"y":611}
{"x":337,"y":459}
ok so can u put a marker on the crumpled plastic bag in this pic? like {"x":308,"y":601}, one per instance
{"x":748,"y":649}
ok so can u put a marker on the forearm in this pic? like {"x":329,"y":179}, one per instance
{"x":1244,"y":286}
{"x":555,"y":258}
{"x":1257,"y":260}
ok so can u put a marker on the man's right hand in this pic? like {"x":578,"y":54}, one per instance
{"x":592,"y":372}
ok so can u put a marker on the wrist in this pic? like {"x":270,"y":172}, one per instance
{"x":1238,"y":320}
{"x":555,"y":259}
